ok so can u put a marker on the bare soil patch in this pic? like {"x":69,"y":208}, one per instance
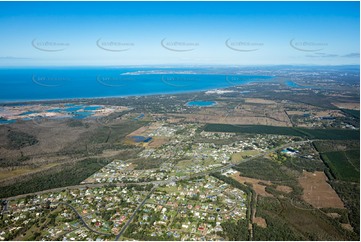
{"x":329,"y":113}
{"x":347,"y":227}
{"x":139,"y":131}
{"x":243,"y":113}
{"x":261,"y":222}
{"x":285,"y":189}
{"x":145,"y":130}
{"x":333,"y":215}
{"x":238,"y":118}
{"x":295,"y":112}
{"x":354,"y":106}
{"x":157,"y":142}
{"x":259,"y":189}
{"x":317,"y":192}
{"x":259,"y":101}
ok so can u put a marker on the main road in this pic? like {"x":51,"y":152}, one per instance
{"x":135,"y":212}
{"x":91,"y":185}
{"x":155,"y":183}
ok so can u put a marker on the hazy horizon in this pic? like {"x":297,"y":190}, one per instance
{"x":179,"y":33}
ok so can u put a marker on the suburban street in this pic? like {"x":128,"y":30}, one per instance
{"x":81,"y":219}
{"x":154,"y":183}
{"x":134,"y":213}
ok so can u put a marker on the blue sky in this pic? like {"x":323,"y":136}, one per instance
{"x":179,"y":33}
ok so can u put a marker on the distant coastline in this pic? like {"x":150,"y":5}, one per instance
{"x":66,"y":84}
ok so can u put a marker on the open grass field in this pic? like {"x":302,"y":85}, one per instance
{"x":23,"y":170}
{"x":344,"y":165}
{"x":239,"y":156}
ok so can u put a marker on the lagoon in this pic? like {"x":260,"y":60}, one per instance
{"x":292,"y":84}
{"x":201,"y":103}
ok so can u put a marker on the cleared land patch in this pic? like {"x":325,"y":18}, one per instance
{"x":257,"y":187}
{"x":158,"y":141}
{"x":261,"y":222}
{"x":354,"y":106}
{"x":285,"y":189}
{"x":5,"y":174}
{"x":237,"y":157}
{"x":317,"y":192}
{"x":259,"y":101}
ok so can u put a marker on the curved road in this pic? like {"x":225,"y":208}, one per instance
{"x":81,"y":218}
{"x":90,"y":185}
{"x":155,"y":183}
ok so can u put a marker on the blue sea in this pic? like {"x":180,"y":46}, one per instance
{"x":27,"y":84}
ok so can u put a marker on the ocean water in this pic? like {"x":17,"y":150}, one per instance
{"x":24,"y":84}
